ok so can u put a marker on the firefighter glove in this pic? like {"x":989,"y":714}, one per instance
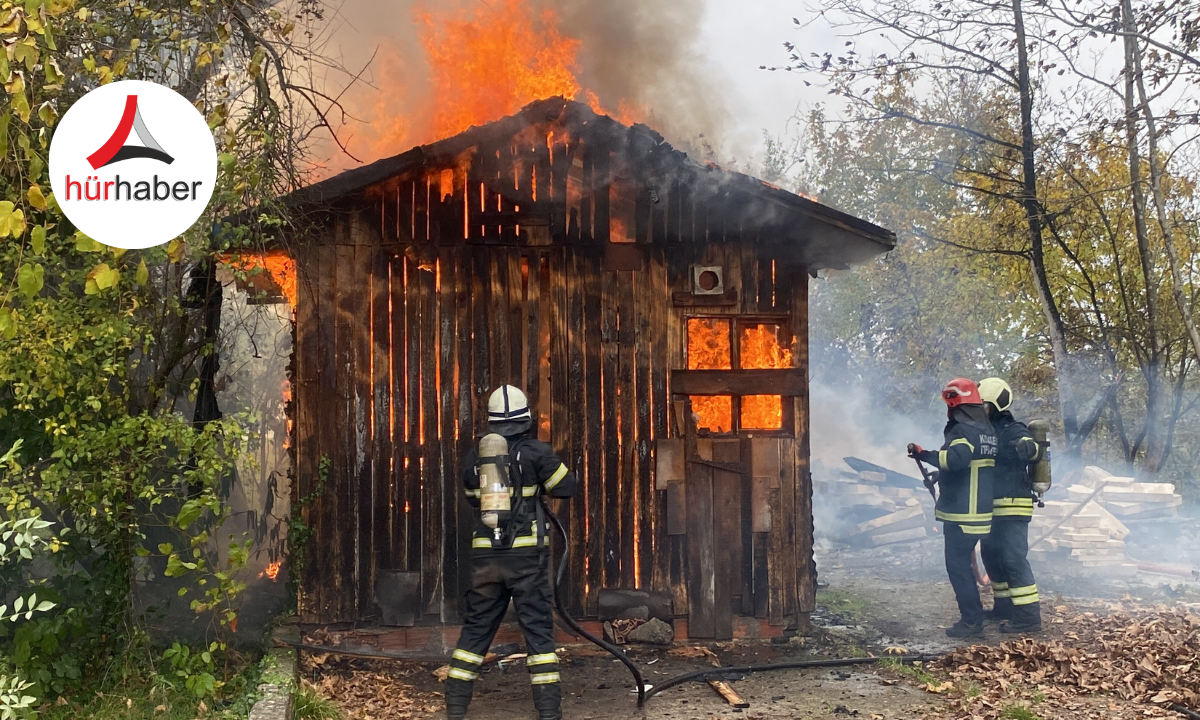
{"x":929,"y":457}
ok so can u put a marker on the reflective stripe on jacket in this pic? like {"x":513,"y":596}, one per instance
{"x":1016,"y":449}
{"x":966,"y":462}
{"x":539,"y":472}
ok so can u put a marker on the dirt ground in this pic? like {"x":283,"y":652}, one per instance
{"x":892,"y":597}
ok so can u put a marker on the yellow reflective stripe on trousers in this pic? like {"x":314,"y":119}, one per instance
{"x":1012,"y":507}
{"x":962,"y":441}
{"x":1012,"y":502}
{"x":542,"y":659}
{"x":963,"y":517}
{"x":1012,"y":512}
{"x":1000,"y":590}
{"x":1026,"y":595}
{"x":467,"y":657}
{"x":543,"y":678}
{"x":556,"y":478}
{"x":460,"y":674}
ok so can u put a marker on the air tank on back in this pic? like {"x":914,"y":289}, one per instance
{"x":495,"y":495}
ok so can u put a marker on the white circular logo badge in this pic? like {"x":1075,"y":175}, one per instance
{"x":133,"y":164}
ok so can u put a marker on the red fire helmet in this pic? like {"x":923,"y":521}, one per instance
{"x":961,"y":391}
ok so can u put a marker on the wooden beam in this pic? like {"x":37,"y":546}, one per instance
{"x":788,"y":381}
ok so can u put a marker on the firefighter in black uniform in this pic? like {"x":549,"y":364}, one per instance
{"x":519,"y":570}
{"x":964,"y":506}
{"x":1006,"y":548}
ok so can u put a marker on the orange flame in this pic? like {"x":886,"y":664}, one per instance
{"x":285,"y":392}
{"x":759,"y":347}
{"x":277,"y":265}
{"x":272,"y":570}
{"x":484,"y":62}
{"x":495,"y":61}
{"x":708,"y":348}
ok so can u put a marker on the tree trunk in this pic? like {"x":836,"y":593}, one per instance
{"x":1033,"y":217}
{"x":1153,"y":369}
{"x":1160,"y":207}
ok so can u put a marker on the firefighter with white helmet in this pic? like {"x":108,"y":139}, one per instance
{"x":1006,"y":548}
{"x":510,"y":551}
{"x":964,"y":464}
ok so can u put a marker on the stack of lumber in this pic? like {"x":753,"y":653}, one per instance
{"x":1125,"y":497}
{"x":874,"y":506}
{"x":1091,"y":538}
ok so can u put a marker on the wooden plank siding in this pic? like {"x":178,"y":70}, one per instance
{"x":422,"y":297}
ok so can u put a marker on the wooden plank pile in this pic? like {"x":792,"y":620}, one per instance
{"x":1084,"y":539}
{"x":1126,"y":498}
{"x":1094,"y":537}
{"x":874,"y":506}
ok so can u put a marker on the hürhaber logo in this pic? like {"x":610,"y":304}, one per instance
{"x":133,"y":164}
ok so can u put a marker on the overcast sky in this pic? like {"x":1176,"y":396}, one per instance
{"x":738,"y":37}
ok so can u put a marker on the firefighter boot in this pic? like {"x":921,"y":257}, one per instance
{"x":1025,"y":620}
{"x":458,"y":697}
{"x":964,"y":629}
{"x":1002,"y":609}
{"x":548,"y":701}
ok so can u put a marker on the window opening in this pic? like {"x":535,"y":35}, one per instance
{"x":761,"y":344}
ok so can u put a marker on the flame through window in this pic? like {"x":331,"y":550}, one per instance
{"x":761,"y":345}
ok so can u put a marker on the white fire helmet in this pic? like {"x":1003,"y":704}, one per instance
{"x":997,"y":392}
{"x":508,"y":408}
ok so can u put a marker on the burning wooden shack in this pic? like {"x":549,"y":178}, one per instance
{"x":620,"y":284}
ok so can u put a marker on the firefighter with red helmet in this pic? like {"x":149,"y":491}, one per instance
{"x":1006,"y":549}
{"x":504,"y":479}
{"x":964,"y":506}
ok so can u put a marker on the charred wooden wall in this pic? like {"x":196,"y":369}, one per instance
{"x":433,"y":288}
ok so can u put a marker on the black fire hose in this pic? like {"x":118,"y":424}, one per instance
{"x":643,"y":693}
{"x":1184,"y":711}
{"x":790,"y":665}
{"x":575,"y":627}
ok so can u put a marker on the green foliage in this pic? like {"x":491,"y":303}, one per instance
{"x":913,"y":672}
{"x":1019,"y":712}
{"x":100,"y":348}
{"x":14,"y":703}
{"x":957,"y":298}
{"x":143,"y":686}
{"x":298,"y":531}
{"x":308,"y":705}
{"x":842,"y":602}
{"x":194,"y":669}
